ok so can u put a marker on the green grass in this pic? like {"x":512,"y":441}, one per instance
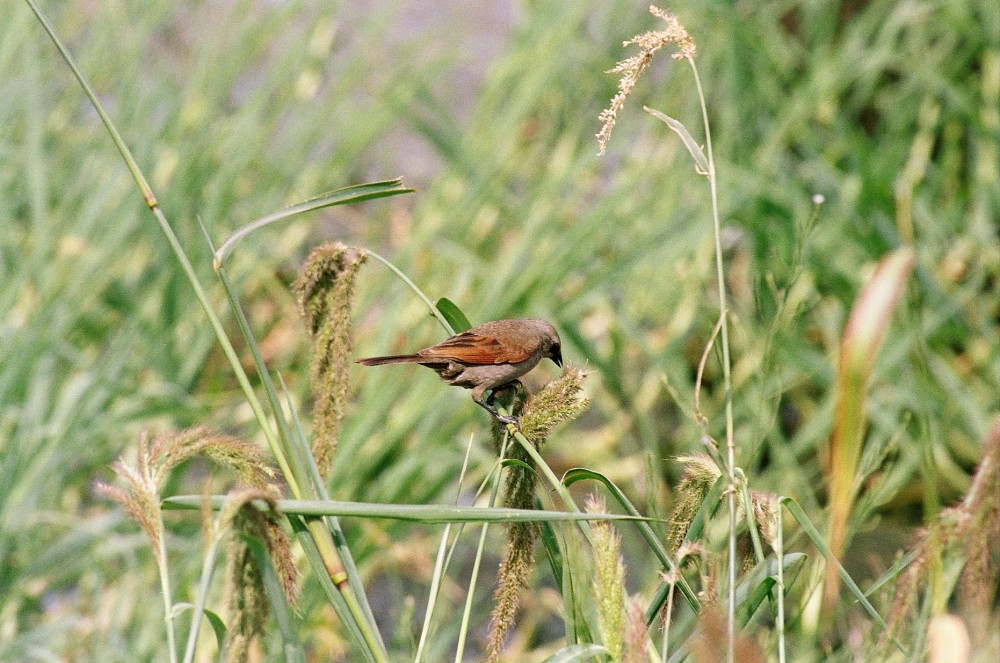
{"x":891,"y":110}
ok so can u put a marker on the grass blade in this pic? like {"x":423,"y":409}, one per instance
{"x":689,"y":142}
{"x":818,"y":541}
{"x":580,"y":473}
{"x":711,"y":504}
{"x":298,"y":438}
{"x":895,"y":569}
{"x":354,"y":193}
{"x":334,"y":596}
{"x":550,"y":544}
{"x":758,"y":584}
{"x":454,"y":315}
{"x":418,"y":513}
{"x":862,"y":337}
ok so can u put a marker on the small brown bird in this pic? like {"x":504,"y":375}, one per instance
{"x":485,"y":357}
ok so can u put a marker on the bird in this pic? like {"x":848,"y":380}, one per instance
{"x":486,"y":357}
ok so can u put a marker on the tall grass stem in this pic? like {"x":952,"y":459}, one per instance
{"x":467,"y":611}
{"x":726,"y":372}
{"x":439,"y":562}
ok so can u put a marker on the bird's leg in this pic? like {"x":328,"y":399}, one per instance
{"x":487,"y":404}
{"x":504,"y":419}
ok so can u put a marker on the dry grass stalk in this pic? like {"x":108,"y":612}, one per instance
{"x":633,"y":68}
{"x":140,"y":499}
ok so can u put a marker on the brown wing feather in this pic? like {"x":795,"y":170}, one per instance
{"x":476,"y":348}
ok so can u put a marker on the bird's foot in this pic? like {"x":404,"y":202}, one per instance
{"x":502,"y":418}
{"x":505,"y":419}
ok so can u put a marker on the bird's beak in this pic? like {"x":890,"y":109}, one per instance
{"x":557,"y":356}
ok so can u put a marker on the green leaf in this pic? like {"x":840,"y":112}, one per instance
{"x":748,"y":512}
{"x":580,"y":473}
{"x":689,"y":142}
{"x":757,"y":585}
{"x":576,"y":588}
{"x":458,"y":321}
{"x":179,"y":608}
{"x":342,"y":196}
{"x":895,"y":570}
{"x":218,"y":626}
{"x":217,"y":623}
{"x":520,"y":464}
{"x":420,"y":513}
{"x":551,"y":546}
{"x":821,"y":545}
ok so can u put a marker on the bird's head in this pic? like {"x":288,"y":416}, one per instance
{"x":550,"y":342}
{"x":557,"y":354}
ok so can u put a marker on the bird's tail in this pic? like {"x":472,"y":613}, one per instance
{"x":391,"y":359}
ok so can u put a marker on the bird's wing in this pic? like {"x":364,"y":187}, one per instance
{"x":477,"y":348}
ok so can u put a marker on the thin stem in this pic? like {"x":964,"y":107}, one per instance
{"x":413,"y":286}
{"x":168,"y":608}
{"x":726,"y":371}
{"x":290,"y":463}
{"x":333,"y":524}
{"x":701,"y":366}
{"x":666,"y":622}
{"x":780,"y":552}
{"x":299,"y":467}
{"x":133,"y":167}
{"x":557,"y":485}
{"x":439,"y":563}
{"x":324,"y":542}
{"x":570,"y":600}
{"x":327,"y":551}
{"x":154,"y":207}
{"x":466,"y":613}
{"x":207,"y":571}
{"x":433,"y":593}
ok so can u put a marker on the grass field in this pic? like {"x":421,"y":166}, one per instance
{"x":888,"y":111}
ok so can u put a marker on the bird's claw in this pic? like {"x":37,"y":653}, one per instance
{"x":502,"y":418}
{"x":505,"y":419}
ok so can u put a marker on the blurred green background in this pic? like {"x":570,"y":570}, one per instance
{"x":890,"y":110}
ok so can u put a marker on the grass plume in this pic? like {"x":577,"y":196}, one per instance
{"x":248,"y":602}
{"x":157,"y":457}
{"x":700,"y":474}
{"x":140,"y":498}
{"x":634,"y":67}
{"x":636,"y":633}
{"x":323,"y":291}
{"x":609,"y":580}
{"x":557,"y":402}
